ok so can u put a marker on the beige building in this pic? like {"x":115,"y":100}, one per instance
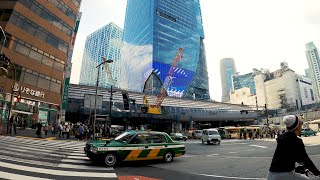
{"x":284,"y":89}
{"x":244,"y":96}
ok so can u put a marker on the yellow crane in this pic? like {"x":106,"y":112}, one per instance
{"x":155,"y":108}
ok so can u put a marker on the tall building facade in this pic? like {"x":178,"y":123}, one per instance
{"x":105,"y":42}
{"x":313,"y":58}
{"x":227,"y":70}
{"x":154,"y":31}
{"x":284,"y":89}
{"x":246,"y":80}
{"x":38,"y":34}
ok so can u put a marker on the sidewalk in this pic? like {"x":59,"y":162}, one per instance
{"x":31,"y":133}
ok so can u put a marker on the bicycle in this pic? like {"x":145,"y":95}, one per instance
{"x":303,"y":170}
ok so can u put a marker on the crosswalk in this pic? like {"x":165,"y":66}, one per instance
{"x":39,"y":159}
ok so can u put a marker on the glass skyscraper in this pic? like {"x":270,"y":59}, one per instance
{"x":246,"y":80}
{"x":227,"y":70}
{"x":312,"y":54}
{"x":154,"y":30}
{"x":105,"y":42}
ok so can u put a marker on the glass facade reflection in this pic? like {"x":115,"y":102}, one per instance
{"x":246,"y":80}
{"x":154,"y":31}
{"x":105,"y":42}
{"x":227,"y":70}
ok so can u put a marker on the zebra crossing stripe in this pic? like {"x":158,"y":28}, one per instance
{"x":77,"y":157}
{"x":78,"y":161}
{"x":17,"y":176}
{"x":57,"y":172}
{"x":74,"y":166}
{"x":44,"y":141}
{"x":65,"y":147}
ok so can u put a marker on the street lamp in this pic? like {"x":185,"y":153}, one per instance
{"x":95,"y":100}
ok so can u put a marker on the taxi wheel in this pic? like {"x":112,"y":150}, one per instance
{"x":110,"y":160}
{"x":219,"y":142}
{"x":168,"y":157}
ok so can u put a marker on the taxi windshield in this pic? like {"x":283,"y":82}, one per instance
{"x":179,"y":134}
{"x":124,"y":137}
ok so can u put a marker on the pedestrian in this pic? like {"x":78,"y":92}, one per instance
{"x":39,"y":127}
{"x":60,"y":128}
{"x":67,"y":131}
{"x":46,"y":127}
{"x":81,"y":132}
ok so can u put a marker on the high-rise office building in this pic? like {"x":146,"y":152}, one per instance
{"x":314,"y":67}
{"x":245,"y":80}
{"x":105,"y":42}
{"x":154,"y":31}
{"x":227,"y":70}
{"x":38,"y":35}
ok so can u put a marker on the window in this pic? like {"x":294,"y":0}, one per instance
{"x":30,"y":79}
{"x":141,"y":139}
{"x":58,"y":66}
{"x":43,"y":83}
{"x":22,"y":49}
{"x":35,"y":55}
{"x":47,"y":61}
{"x":158,"y":138}
{"x":55,"y":87}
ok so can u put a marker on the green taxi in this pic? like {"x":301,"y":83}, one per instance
{"x":133,"y":146}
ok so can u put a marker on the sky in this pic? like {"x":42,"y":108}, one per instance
{"x":255,"y":33}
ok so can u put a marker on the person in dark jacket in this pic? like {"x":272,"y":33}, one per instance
{"x":290,"y":150}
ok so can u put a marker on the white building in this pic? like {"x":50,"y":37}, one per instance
{"x":284,"y":89}
{"x":243,"y":95}
{"x":314,"y":67}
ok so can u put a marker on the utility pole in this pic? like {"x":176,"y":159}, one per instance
{"x":265,"y":106}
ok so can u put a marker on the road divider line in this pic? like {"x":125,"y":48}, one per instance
{"x":264,"y":147}
{"x":228,"y":177}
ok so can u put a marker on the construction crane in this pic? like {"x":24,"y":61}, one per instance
{"x":155,"y":108}
{"x":109,"y":75}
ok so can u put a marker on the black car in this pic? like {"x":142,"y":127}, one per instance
{"x":178,"y":136}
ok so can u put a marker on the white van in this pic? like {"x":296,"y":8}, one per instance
{"x":211,"y":136}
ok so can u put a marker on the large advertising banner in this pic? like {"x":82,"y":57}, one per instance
{"x":180,"y":81}
{"x":69,"y":66}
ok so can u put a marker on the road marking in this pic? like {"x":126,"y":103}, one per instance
{"x":227,"y":177}
{"x":56,"y":172}
{"x":264,"y":147}
{"x":78,"y":161}
{"x":77,"y":157}
{"x":73,"y":166}
{"x":310,"y":145}
{"x":213,"y":155}
{"x":233,"y":152}
{"x":17,"y":176}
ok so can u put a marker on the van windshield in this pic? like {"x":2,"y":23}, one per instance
{"x":212,"y":132}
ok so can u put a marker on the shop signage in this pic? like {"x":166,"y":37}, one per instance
{"x":17,"y":88}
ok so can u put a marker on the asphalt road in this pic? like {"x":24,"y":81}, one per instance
{"x":22,"y":158}
{"x":246,"y":159}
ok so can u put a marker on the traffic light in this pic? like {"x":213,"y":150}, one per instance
{"x":19,"y":98}
{"x":4,"y":65}
{"x":126,"y":101}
